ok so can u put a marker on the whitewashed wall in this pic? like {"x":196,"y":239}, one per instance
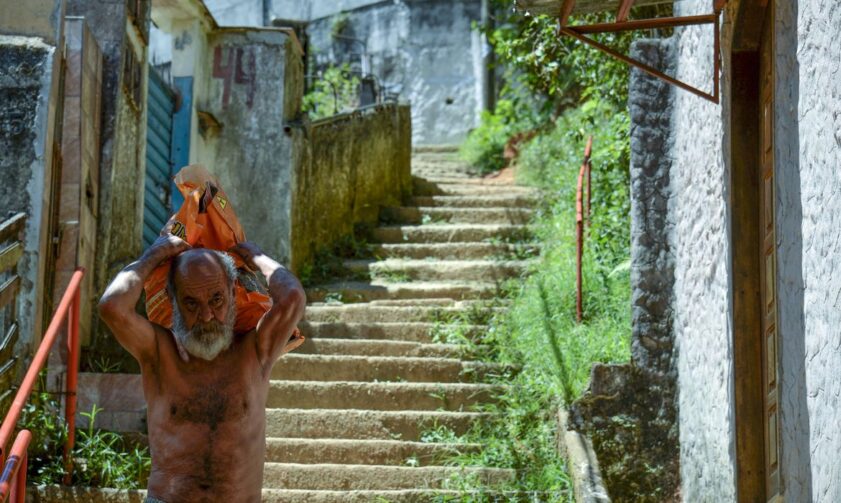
{"x":807,"y":132}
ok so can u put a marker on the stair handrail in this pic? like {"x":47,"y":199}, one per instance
{"x":13,"y":479}
{"x":68,"y":309}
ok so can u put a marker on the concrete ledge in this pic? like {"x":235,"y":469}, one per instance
{"x":583,"y":465}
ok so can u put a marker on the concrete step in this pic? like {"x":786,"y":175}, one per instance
{"x":455,"y":233}
{"x":438,"y":171}
{"x":364,"y":312}
{"x":455,"y":251}
{"x":507,"y":200}
{"x":415,"y":332}
{"x":444,"y":148}
{"x":371,"y":477}
{"x":443,"y":302}
{"x":448,"y":166}
{"x":302,"y":367}
{"x":362,"y":291}
{"x":365,"y":424}
{"x":438,"y":270}
{"x":385,"y":396}
{"x":62,"y":494}
{"x":452,"y":187}
{"x":372,"y":347}
{"x":361,"y":452}
{"x":425,"y":215}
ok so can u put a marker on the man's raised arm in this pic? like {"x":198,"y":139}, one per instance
{"x":288,"y":303}
{"x":117,"y":305}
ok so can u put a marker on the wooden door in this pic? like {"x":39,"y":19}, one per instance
{"x":768,"y":263}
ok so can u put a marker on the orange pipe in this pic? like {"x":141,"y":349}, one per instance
{"x":15,"y":470}
{"x":69,"y":300}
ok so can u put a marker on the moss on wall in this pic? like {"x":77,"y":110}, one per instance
{"x":353,"y":164}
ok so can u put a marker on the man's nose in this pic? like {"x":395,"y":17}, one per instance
{"x":206,"y":314}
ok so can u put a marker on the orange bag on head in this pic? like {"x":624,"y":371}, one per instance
{"x":206,"y":219}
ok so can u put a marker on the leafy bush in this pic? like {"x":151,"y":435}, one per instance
{"x":335,"y":92}
{"x":485,"y":144}
{"x":552,"y":161}
{"x":100,"y":458}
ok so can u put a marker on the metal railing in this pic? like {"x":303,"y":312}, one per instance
{"x":13,"y":477}
{"x":582,"y":215}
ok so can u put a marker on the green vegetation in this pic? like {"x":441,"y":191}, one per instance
{"x":100,"y":458}
{"x":334,"y":92}
{"x":549,"y":355}
{"x":561,"y":93}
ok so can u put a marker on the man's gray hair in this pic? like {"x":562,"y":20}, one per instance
{"x":225,"y":261}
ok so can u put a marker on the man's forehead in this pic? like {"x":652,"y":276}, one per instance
{"x":197,"y":269}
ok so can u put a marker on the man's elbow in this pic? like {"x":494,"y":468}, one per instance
{"x":295,"y":301}
{"x":109,"y":309}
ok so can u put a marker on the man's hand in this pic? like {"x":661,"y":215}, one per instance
{"x":288,"y":302}
{"x":248,"y":252}
{"x":116,"y":307}
{"x":166,"y":247}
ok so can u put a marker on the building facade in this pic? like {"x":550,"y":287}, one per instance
{"x":427,"y":52}
{"x":753,"y":231}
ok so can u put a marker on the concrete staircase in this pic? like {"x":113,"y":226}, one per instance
{"x":347,"y":411}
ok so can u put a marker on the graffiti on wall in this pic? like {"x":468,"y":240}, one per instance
{"x":235,"y":65}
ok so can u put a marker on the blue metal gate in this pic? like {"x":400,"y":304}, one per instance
{"x":157,"y":203}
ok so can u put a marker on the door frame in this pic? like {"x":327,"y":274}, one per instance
{"x":749,"y":18}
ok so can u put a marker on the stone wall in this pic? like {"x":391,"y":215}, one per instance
{"x":629,"y":411}
{"x":357,"y":163}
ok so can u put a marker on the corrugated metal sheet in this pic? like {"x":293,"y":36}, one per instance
{"x":157,"y":207}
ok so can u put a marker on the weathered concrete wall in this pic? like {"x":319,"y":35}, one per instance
{"x":426,"y":51}
{"x":255,"y":87}
{"x":357,"y":163}
{"x":306,"y":10}
{"x":33,"y":18}
{"x":239,"y":12}
{"x":282,"y":175}
{"x":27,"y":79}
{"x":122,"y":145}
{"x":808,"y":210}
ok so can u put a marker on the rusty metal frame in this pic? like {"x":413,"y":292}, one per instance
{"x":579,"y":32}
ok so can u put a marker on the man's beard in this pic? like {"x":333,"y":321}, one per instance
{"x":206,"y":340}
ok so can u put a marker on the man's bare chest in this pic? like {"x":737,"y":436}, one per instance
{"x":227,"y":392}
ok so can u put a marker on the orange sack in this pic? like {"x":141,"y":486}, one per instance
{"x":207,"y":220}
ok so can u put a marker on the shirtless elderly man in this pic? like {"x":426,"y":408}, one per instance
{"x":205,"y":386}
